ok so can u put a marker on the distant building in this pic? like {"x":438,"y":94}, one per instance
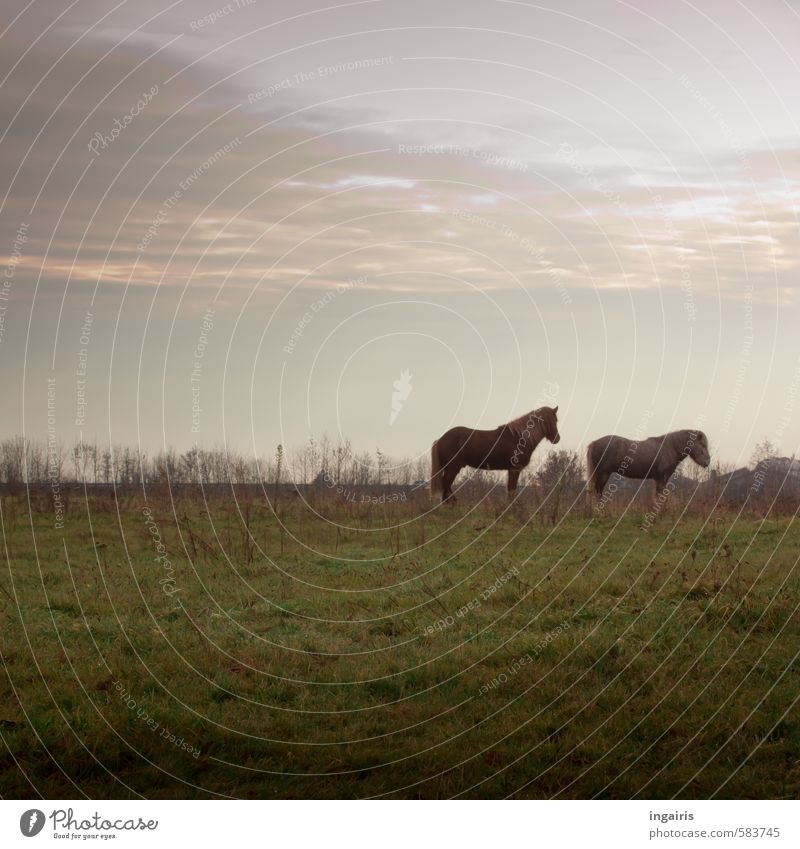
{"x":777,"y":476}
{"x":732,"y":486}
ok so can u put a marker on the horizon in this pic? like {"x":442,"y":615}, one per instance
{"x":315,"y":451}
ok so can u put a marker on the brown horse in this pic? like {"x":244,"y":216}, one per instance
{"x":655,"y":458}
{"x":508,"y":446}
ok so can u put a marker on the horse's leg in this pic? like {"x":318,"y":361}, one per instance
{"x":449,"y":474}
{"x":600,"y":481}
{"x":513,"y":477}
{"x":660,"y":493}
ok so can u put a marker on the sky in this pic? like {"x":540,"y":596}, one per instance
{"x":242,"y":224}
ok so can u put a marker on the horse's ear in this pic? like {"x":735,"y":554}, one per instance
{"x":555,"y":409}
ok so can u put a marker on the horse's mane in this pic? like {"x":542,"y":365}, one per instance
{"x":530,"y":420}
{"x":682,"y":440}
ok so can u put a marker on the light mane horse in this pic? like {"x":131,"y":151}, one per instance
{"x":655,"y":458}
{"x":507,"y":447}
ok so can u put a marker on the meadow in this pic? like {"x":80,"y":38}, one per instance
{"x":196,"y":645}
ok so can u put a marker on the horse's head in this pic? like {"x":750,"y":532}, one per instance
{"x":550,"y":418}
{"x":698,"y":448}
{"x":543,"y":422}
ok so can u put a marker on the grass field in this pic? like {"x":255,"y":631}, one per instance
{"x":384,"y":650}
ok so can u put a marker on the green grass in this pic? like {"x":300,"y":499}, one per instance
{"x":306,"y":661}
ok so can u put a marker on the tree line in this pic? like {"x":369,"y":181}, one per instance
{"x":38,"y":461}
{"x":34,"y":461}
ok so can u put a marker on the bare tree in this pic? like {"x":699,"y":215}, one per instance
{"x":341,"y":454}
{"x":37,"y":462}
{"x":763,"y":451}
{"x":562,"y":468}
{"x":12,"y":460}
{"x":362,"y":469}
{"x":380,"y":465}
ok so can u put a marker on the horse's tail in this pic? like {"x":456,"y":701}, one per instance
{"x":436,"y":469}
{"x":590,"y":466}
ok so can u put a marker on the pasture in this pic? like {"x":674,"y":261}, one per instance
{"x":345,"y":649}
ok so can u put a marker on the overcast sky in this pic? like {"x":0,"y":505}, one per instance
{"x":596,"y":201}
